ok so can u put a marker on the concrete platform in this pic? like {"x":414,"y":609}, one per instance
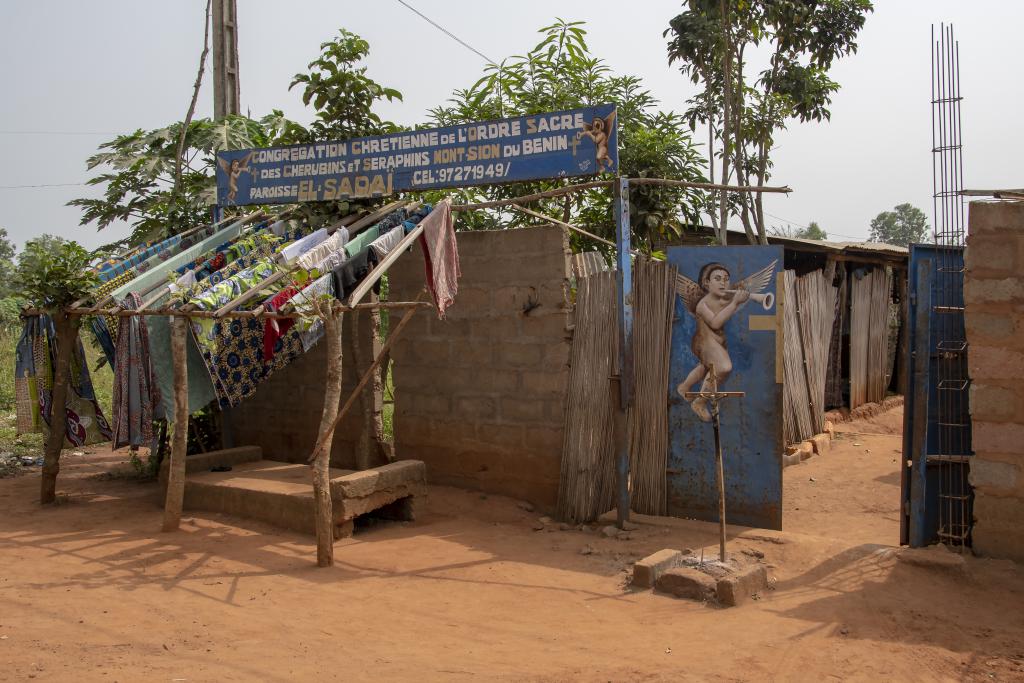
{"x":281,"y":493}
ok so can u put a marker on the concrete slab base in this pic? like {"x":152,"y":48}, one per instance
{"x":282,"y":493}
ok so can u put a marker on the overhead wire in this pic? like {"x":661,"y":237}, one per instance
{"x":446,"y":31}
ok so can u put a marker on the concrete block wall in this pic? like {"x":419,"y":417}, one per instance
{"x":480,"y":396}
{"x":994,"y":316}
{"x":283,"y":416}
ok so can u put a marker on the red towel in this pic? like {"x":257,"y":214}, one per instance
{"x":273,"y":328}
{"x":441,"y":256}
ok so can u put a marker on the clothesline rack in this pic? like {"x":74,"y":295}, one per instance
{"x":176,"y":478}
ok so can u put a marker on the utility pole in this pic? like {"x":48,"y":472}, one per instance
{"x":225,"y":59}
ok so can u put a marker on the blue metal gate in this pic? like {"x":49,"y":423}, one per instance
{"x":748,"y":342}
{"x":937,"y":425}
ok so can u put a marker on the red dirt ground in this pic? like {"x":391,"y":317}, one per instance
{"x":91,"y":590}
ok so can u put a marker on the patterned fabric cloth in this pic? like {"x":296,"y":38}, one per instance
{"x":180,"y":245}
{"x":136,"y":398}
{"x":35,"y":360}
{"x":112,"y":321}
{"x":102,"y":334}
{"x":441,"y":256}
{"x":108,"y":270}
{"x":233,"y":349}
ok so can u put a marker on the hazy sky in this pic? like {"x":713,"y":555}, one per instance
{"x":76,"y":73}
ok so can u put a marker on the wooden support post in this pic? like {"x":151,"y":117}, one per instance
{"x":179,"y":438}
{"x":321,"y":460}
{"x":66,"y":329}
{"x":366,"y":376}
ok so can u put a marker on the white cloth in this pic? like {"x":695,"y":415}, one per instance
{"x":299,"y":247}
{"x":386,"y":242}
{"x":310,"y":325}
{"x":314,"y":257}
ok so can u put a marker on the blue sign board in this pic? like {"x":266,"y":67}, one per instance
{"x":551,"y":145}
{"x":742,"y":341}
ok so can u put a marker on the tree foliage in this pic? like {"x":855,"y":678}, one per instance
{"x":812,"y":231}
{"x":341,"y":92}
{"x":53,"y":272}
{"x":137,"y":169}
{"x":902,"y":226}
{"x":745,"y":102}
{"x":561,"y":73}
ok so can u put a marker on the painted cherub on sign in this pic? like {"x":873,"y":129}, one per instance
{"x":599,"y":130}
{"x":712,"y":301}
{"x":234,"y":170}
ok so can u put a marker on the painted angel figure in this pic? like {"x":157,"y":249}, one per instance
{"x":234,"y":170}
{"x":713,"y":301}
{"x":599,"y":130}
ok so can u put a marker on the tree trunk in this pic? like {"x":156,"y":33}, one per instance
{"x":727,"y":134}
{"x":66,"y":340}
{"x":179,"y":437}
{"x":322,"y":463}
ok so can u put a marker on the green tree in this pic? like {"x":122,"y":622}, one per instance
{"x":745,"y":101}
{"x":341,"y":92}
{"x":902,"y":226}
{"x":137,"y":169}
{"x":561,"y":73}
{"x":813,"y":232}
{"x":809,"y":232}
{"x":51,"y":274}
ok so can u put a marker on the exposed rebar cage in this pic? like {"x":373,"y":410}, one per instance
{"x":952,"y":445}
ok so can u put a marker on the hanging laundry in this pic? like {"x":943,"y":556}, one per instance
{"x":297,"y":248}
{"x":313,"y":258}
{"x":348,"y":275}
{"x":35,"y":361}
{"x":364,"y":238}
{"x":109,"y":270}
{"x":108,"y":287}
{"x":274,"y":328}
{"x":386,"y":242}
{"x":136,"y":398}
{"x":102,"y":334}
{"x":441,"y":256}
{"x":144,"y":281}
{"x":309,"y":325}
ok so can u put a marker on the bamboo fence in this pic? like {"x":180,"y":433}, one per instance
{"x":586,"y":487}
{"x":808,"y":323}
{"x":647,"y":420}
{"x":869,"y":336}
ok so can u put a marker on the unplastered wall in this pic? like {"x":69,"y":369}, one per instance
{"x":480,"y":396}
{"x":283,"y":415}
{"x":994,"y":317}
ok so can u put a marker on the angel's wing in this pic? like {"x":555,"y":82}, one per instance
{"x":609,"y":121}
{"x":224,"y":166}
{"x":758,"y":281}
{"x":245,"y":160}
{"x":690,"y":292}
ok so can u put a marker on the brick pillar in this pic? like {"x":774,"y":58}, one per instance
{"x":994,"y":317}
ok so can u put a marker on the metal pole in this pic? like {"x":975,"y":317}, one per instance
{"x":720,"y":474}
{"x":624,"y":284}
